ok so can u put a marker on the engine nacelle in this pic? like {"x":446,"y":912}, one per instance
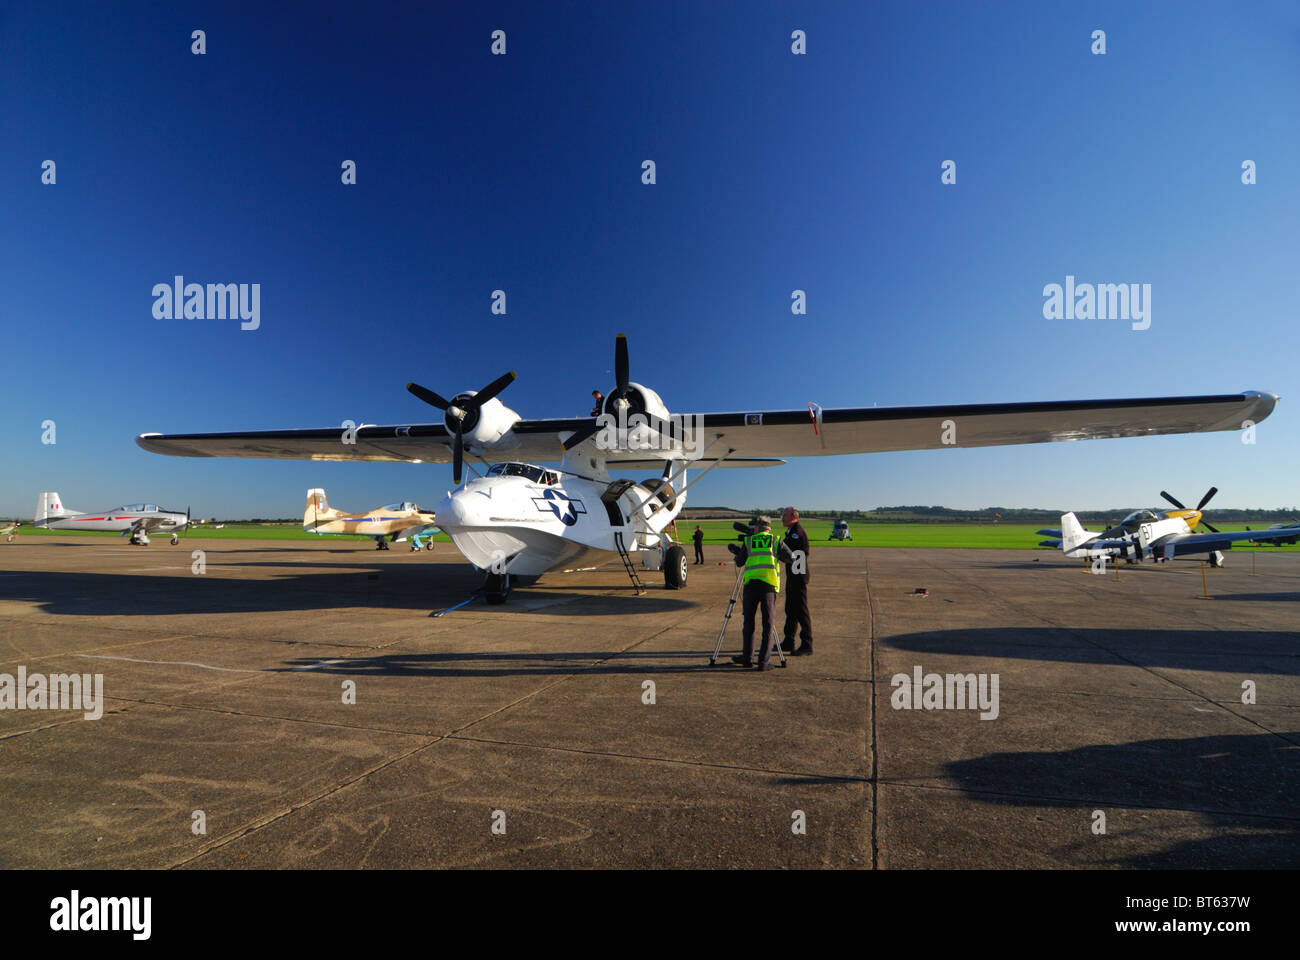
{"x":637,"y":421}
{"x":485,"y":426}
{"x":639,"y":399}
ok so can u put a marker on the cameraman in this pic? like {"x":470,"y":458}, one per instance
{"x":760,"y":555}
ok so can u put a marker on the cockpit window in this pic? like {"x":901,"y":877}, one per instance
{"x":1140,"y":516}
{"x":525,"y":470}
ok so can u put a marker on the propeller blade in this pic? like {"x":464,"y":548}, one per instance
{"x":458,"y":455}
{"x":428,"y":396}
{"x":1172,"y":500}
{"x":493,"y":388}
{"x":588,"y":430}
{"x":622,"y":372}
{"x":1206,"y":499}
{"x":1208,"y":526}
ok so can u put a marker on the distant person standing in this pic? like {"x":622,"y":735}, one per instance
{"x":698,"y":537}
{"x":760,"y":557}
{"x":597,"y":401}
{"x":797,"y":614}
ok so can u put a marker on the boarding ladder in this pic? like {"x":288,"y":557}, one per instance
{"x":628,"y":565}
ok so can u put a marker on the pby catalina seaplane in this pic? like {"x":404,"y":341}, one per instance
{"x":390,"y":524}
{"x":521,"y":520}
{"x":139,"y":519}
{"x":1147,"y":535}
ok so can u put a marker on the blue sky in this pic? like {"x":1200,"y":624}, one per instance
{"x":522,"y":172}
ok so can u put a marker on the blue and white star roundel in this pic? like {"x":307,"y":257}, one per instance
{"x":563,"y":506}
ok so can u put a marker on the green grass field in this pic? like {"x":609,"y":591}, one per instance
{"x":717,"y":533}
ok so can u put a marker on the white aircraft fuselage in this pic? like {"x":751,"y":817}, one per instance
{"x":525,"y":520}
{"x":138,"y":519}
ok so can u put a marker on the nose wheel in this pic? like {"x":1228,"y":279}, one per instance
{"x":496,"y":588}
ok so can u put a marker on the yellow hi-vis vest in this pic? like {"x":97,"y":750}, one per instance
{"x":761,"y":562}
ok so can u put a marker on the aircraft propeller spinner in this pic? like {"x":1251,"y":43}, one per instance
{"x":1204,"y":500}
{"x":461,"y":412}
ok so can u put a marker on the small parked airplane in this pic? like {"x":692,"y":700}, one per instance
{"x":521,"y":520}
{"x":1291,"y":527}
{"x":1146,"y":535}
{"x":397,"y":521}
{"x":8,"y":531}
{"x":139,"y":519}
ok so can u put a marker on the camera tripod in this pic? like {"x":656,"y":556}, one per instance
{"x":726,"y":619}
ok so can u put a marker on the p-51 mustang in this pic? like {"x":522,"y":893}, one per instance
{"x":390,"y":524}
{"x":139,"y":519}
{"x":1146,"y":535}
{"x":521,"y":520}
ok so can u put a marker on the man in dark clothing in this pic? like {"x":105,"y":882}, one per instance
{"x":597,"y":402}
{"x":796,"y":591}
{"x":759,"y":556}
{"x":698,"y":537}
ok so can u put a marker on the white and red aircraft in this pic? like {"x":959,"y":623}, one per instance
{"x":137,"y":519}
{"x":521,"y":519}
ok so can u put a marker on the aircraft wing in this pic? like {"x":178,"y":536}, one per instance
{"x":767,"y":434}
{"x":415,"y":530}
{"x":1049,"y":532}
{"x":1205,"y":542}
{"x":1288,"y":535}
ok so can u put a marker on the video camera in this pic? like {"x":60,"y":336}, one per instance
{"x":746,"y":530}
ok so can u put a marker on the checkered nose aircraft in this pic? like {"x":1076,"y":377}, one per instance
{"x":137,"y":519}
{"x":519,"y":519}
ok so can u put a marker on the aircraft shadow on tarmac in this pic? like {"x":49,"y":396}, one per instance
{"x":1244,"y":651}
{"x":408,"y":587}
{"x":1243,"y":783}
{"x":582,"y":662}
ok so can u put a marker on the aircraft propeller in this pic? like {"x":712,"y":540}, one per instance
{"x":461,"y":412}
{"x":1204,"y":500}
{"x":622,"y":397}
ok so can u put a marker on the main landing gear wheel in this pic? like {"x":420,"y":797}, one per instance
{"x":496,"y":588}
{"x":175,"y":539}
{"x":675,"y":568}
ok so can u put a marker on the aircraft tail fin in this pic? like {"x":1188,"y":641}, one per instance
{"x":49,"y":506}
{"x":1072,"y":533}
{"x":318,"y":509}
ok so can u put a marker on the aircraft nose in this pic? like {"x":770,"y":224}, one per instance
{"x":456,"y":510}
